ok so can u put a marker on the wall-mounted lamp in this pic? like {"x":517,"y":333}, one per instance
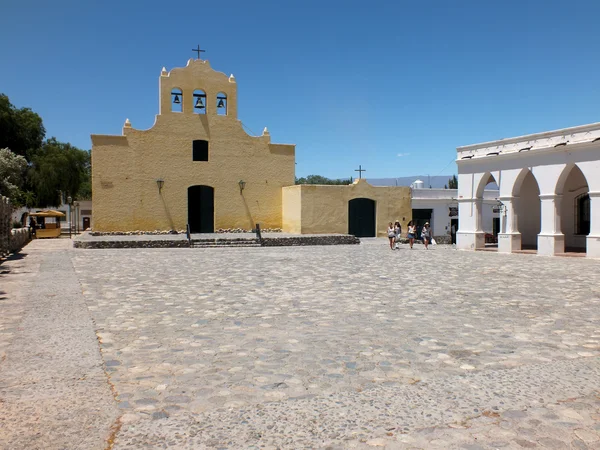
{"x":160,"y":182}
{"x":499,"y":207}
{"x":242,"y":185}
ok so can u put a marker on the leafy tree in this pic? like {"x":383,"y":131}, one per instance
{"x":318,"y":179}
{"x":21,"y":129}
{"x":59,"y":169}
{"x":12,"y":174}
{"x":453,"y":182}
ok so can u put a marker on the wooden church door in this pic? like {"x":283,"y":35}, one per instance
{"x":201,"y":209}
{"x":361,"y":217}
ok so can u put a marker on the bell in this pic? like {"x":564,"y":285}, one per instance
{"x":199,"y":103}
{"x":221,"y":103}
{"x":176,"y":100}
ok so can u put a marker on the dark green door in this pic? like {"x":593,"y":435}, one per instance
{"x":201,"y":209}
{"x":361,"y":217}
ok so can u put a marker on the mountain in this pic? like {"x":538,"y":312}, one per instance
{"x":436,"y":182}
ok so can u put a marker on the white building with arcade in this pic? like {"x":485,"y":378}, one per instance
{"x":549,"y":191}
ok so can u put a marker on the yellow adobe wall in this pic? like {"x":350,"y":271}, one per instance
{"x":324,"y":208}
{"x":125,"y":168}
{"x":291,"y":209}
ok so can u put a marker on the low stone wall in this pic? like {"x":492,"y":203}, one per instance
{"x":18,"y":238}
{"x":181,"y":243}
{"x":310,"y":240}
{"x":445,"y":239}
{"x":132,"y":244}
{"x":438,"y":239}
{"x":166,"y":232}
{"x":135,"y":233}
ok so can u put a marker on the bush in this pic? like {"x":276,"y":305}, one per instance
{"x":17,"y":224}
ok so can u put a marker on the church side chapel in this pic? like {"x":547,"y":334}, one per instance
{"x":197,"y":166}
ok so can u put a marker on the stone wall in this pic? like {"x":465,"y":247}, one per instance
{"x":444,"y":239}
{"x":180,"y":243}
{"x":310,"y":240}
{"x":132,"y":244}
{"x":11,"y":240}
{"x":19,"y":237}
{"x":5,"y":225}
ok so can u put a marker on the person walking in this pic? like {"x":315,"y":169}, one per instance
{"x":398,"y":233}
{"x":391,"y":235}
{"x":412,"y":231}
{"x":426,"y":235}
{"x":391,"y":232}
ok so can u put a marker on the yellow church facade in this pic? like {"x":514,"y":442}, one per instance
{"x":197,"y":166}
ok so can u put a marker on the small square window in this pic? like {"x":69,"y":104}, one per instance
{"x":200,"y":150}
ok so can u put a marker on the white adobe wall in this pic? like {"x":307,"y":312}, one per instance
{"x":440,"y":200}
{"x":549,"y":157}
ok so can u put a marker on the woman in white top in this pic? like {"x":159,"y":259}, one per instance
{"x":412,"y":231}
{"x":426,"y":235}
{"x":391,"y":235}
{"x":397,"y":232}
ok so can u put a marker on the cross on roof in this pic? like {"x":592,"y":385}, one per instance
{"x":197,"y":50}
{"x":360,"y":170}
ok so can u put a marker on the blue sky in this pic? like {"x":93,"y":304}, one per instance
{"x":349,"y":82}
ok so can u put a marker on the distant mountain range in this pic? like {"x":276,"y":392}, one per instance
{"x":436,"y":182}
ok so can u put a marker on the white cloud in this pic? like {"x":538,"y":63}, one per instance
{"x":400,"y":155}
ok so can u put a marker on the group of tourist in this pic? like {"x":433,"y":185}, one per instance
{"x":395,"y":231}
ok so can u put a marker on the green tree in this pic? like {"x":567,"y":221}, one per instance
{"x":319,"y":179}
{"x":12,"y":174}
{"x":453,"y":182}
{"x":21,"y":129}
{"x":59,"y":169}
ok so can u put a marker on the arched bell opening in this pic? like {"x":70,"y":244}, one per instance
{"x":222,"y":104}
{"x":199,"y":101}
{"x":176,"y":100}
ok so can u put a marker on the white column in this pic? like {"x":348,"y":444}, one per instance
{"x":509,"y":239}
{"x":593,"y":239}
{"x":469,"y":235}
{"x":550,"y":240}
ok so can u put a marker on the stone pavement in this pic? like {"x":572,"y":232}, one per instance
{"x":343,"y":347}
{"x":54,"y":392}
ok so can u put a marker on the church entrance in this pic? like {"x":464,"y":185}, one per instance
{"x":201,"y":209}
{"x":361,"y":217}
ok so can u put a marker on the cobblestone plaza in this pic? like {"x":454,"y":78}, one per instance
{"x":351,"y":346}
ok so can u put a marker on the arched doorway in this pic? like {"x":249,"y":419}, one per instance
{"x":487,"y":217}
{"x":201,"y":209}
{"x":528,"y":209}
{"x":361,"y":217}
{"x":574,"y":208}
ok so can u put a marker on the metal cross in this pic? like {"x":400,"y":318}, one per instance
{"x":197,"y":50}
{"x":360,"y":170}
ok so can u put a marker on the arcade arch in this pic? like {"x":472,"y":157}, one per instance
{"x":528,"y":209}
{"x":575,"y":208}
{"x":549,"y":185}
